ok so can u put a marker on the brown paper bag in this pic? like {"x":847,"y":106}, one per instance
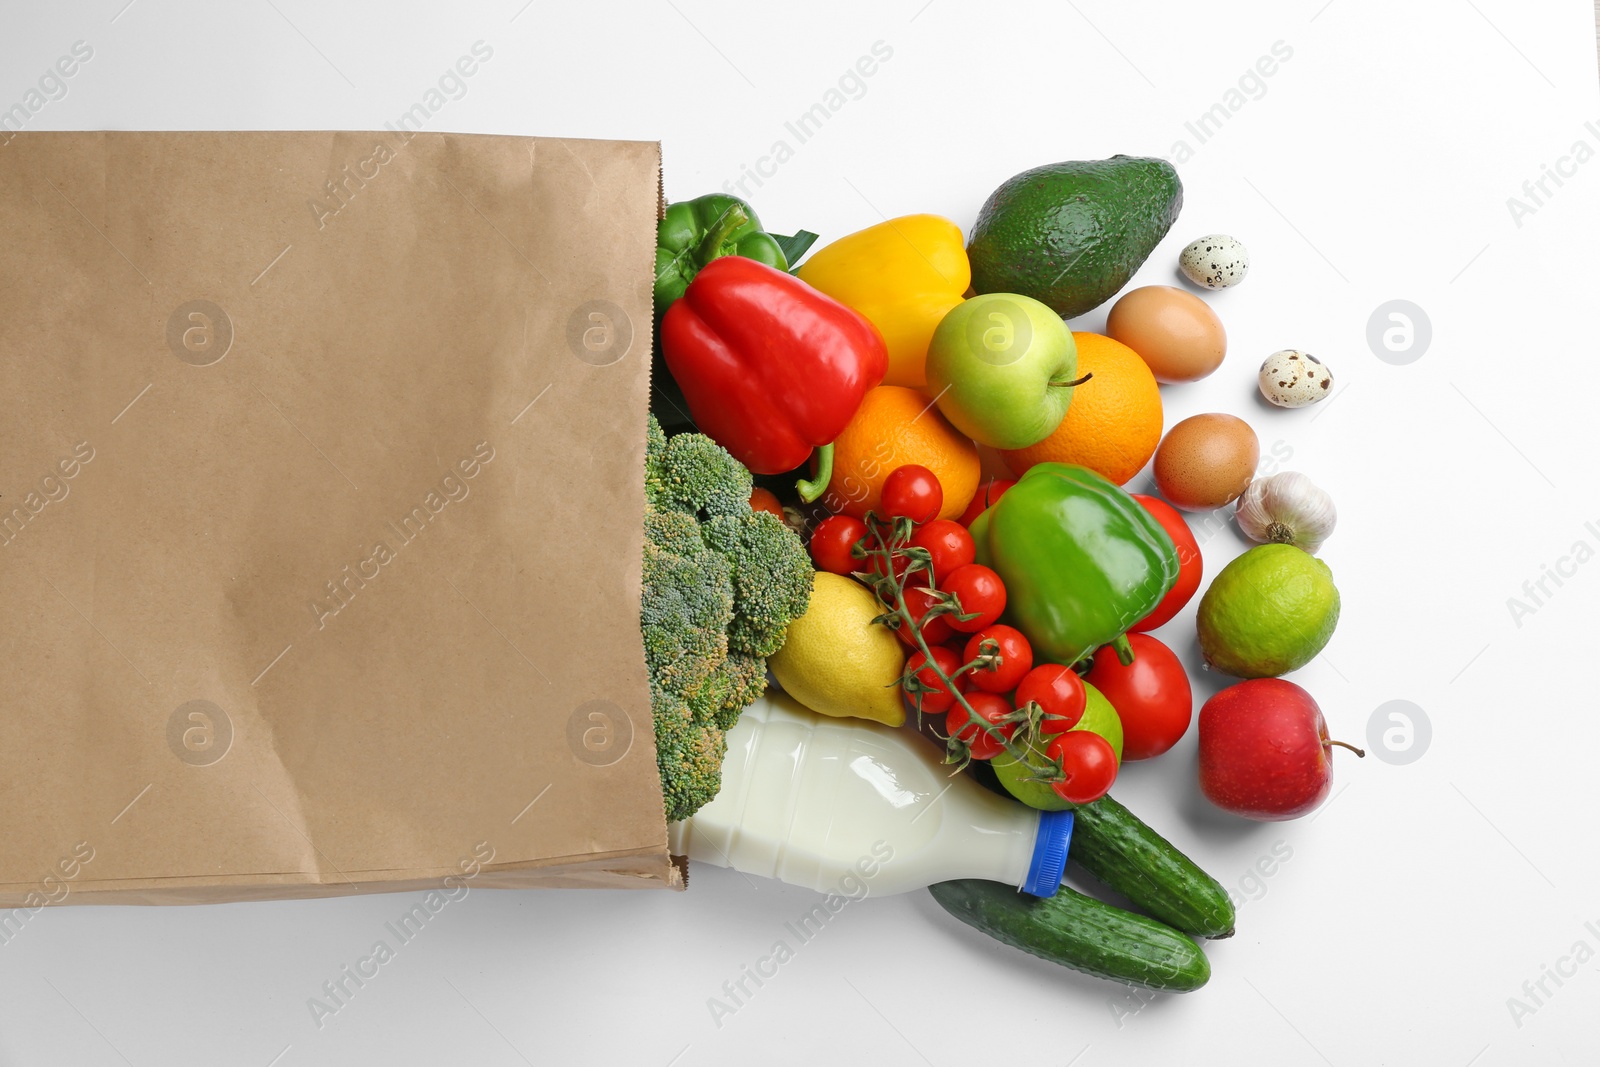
{"x":320,"y":499}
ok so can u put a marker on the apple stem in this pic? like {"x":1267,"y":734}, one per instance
{"x":1076,"y":381}
{"x":1358,"y":751}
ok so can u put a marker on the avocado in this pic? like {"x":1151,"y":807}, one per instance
{"x":1072,"y":234}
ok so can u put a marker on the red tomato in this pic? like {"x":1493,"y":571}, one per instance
{"x":990,"y":708}
{"x":1089,"y":763}
{"x":832,"y":541}
{"x":980,"y":590}
{"x":765,"y":500}
{"x":1016,"y":659}
{"x":1151,"y":695}
{"x":987,"y":494}
{"x":1190,"y":564}
{"x":902,"y":562}
{"x":934,"y":631}
{"x":912,"y":492}
{"x":1059,"y":691}
{"x":947,"y":542}
{"x":940,"y":698}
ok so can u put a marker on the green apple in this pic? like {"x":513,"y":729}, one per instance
{"x":1098,"y":717}
{"x":1002,"y":367}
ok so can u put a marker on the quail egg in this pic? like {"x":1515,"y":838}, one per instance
{"x":1294,"y":379}
{"x":1215,"y":261}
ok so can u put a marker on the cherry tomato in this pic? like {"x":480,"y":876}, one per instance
{"x":1089,"y":763}
{"x":1016,"y":659}
{"x":832,"y":541}
{"x":990,"y":708}
{"x":958,"y":648}
{"x":1190,"y":566}
{"x":934,"y":631}
{"x":912,"y":492}
{"x":939,"y":698}
{"x":874,"y":564}
{"x":765,"y":500}
{"x":980,"y":590}
{"x":1059,"y":691}
{"x":947,"y":542}
{"x":987,"y":494}
{"x":1151,"y":695}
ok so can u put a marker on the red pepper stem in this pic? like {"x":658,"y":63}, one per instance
{"x":727,"y":222}
{"x":1124,"y":649}
{"x":813,"y":488}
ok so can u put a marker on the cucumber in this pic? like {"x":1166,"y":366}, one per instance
{"x":1114,"y":845}
{"x":1079,"y":932}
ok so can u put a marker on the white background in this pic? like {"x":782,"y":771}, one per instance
{"x":1376,"y":165}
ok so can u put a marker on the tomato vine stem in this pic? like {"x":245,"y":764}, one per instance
{"x":884,"y":553}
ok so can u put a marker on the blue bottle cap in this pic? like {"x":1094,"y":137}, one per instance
{"x":1049,"y":854}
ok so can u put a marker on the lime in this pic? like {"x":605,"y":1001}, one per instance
{"x":1268,"y":612}
{"x":1101,"y":718}
{"x":1098,"y":717}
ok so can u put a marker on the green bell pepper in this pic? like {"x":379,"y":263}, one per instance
{"x":694,"y":232}
{"x":1081,"y":560}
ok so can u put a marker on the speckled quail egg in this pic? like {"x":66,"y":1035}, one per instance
{"x":1216,"y":261}
{"x":1293,"y":379}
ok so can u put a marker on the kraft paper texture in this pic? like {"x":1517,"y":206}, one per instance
{"x":320,"y":497}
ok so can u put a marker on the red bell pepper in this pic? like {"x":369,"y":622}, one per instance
{"x":771,"y":367}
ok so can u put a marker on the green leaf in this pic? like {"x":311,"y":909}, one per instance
{"x":794,"y":246}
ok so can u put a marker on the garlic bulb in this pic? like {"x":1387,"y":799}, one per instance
{"x":1286,"y":508}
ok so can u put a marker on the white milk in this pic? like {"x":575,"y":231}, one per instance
{"x":814,"y":801}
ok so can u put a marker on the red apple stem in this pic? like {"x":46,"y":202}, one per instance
{"x":1358,"y":751}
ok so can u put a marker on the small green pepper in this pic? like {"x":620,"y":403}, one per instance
{"x":1081,"y":560}
{"x":694,"y":232}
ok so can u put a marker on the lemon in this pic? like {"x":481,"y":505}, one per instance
{"x":835,"y":660}
{"x":1268,"y":612}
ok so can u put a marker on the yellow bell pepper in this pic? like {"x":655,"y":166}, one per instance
{"x":904,"y":275}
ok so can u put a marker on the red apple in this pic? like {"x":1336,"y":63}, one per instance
{"x":1264,"y":750}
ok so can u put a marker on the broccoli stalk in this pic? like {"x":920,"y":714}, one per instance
{"x":721,"y":584}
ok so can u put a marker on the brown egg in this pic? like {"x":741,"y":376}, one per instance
{"x":1174,"y":331}
{"x":1206,"y":461}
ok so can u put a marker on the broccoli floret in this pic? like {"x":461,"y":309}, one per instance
{"x":730,"y":690}
{"x":676,"y":532}
{"x":699,"y":476}
{"x":720,"y":586}
{"x":685,"y":603}
{"x":689,"y":754}
{"x":747,"y":679}
{"x":772,"y":578}
{"x":655,"y":449}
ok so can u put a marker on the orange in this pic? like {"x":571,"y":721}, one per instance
{"x":1114,"y":422}
{"x":895,"y":426}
